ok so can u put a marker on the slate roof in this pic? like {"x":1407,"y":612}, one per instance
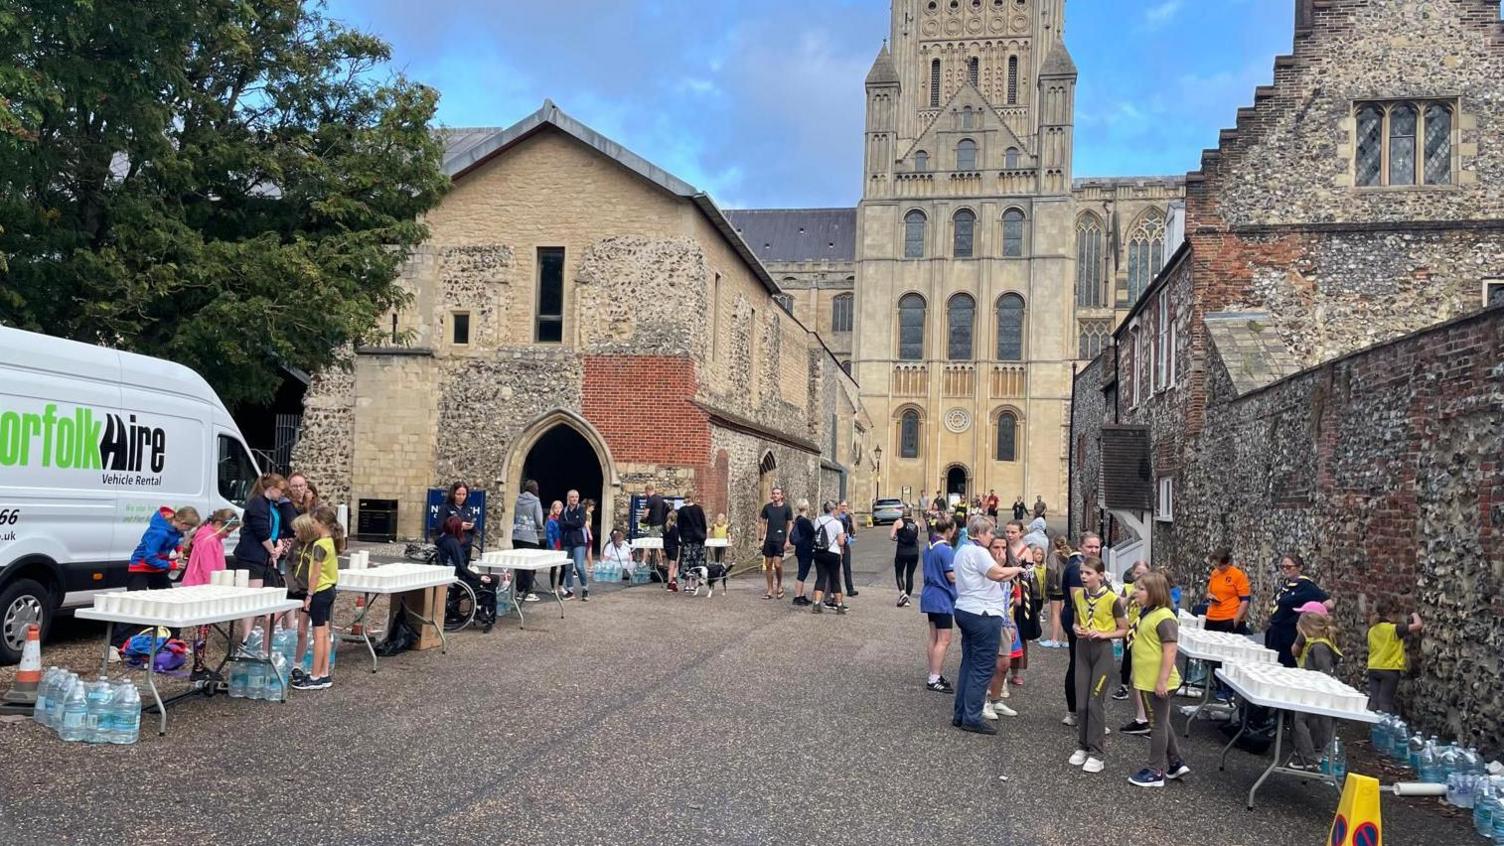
{"x":466,"y":148}
{"x":883,"y":72}
{"x":785,"y":235}
{"x":1058,"y":61}
{"x":1251,"y":350}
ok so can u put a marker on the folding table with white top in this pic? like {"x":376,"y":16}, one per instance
{"x":533,"y":560}
{"x":1282,"y":702}
{"x":1215,"y":649}
{"x":185,"y":608}
{"x":395,"y":580}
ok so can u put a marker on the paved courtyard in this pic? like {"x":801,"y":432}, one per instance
{"x":645,"y":717}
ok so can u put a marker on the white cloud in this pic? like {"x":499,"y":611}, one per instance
{"x":1160,"y":13}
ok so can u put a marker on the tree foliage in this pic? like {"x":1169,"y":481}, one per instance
{"x":226,"y":183}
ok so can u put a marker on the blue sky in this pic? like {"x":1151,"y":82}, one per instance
{"x":760,"y":102}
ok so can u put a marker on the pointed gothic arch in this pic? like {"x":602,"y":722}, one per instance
{"x":534,"y":433}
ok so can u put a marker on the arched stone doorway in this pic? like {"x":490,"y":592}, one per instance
{"x":766,"y":477}
{"x":562,"y":460}
{"x":562,"y":451}
{"x":956,"y":482}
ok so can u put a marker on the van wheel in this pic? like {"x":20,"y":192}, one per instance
{"x":22,"y":603}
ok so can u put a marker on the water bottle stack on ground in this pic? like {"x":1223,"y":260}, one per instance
{"x":276,"y":678}
{"x":126,"y":726}
{"x":99,"y":722}
{"x":237,"y":679}
{"x":75,"y":713}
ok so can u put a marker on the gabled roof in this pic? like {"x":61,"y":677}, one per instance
{"x":797,"y":234}
{"x":466,"y":148}
{"x":989,"y":114}
{"x":883,"y":72}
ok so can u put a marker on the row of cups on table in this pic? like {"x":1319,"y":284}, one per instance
{"x":396,"y":575}
{"x":1296,"y":686}
{"x":1235,"y":649}
{"x":506,"y":557}
{"x":190,"y":603}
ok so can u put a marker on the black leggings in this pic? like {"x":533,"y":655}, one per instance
{"x":828,"y":572}
{"x":903,"y":571}
{"x":524,"y":583}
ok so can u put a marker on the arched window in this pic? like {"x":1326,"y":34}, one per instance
{"x":967,"y":116}
{"x":1013,"y":233}
{"x":1090,"y":292}
{"x":1145,"y":253}
{"x":846,"y":365}
{"x":1438,"y":145}
{"x":911,"y":328}
{"x":1007,"y":436}
{"x":840,"y":313}
{"x":921,"y":161}
{"x":973,"y":69}
{"x":1402,"y":145}
{"x":1370,"y":145}
{"x":1012,"y":80}
{"x":960,"y":316}
{"x":966,"y":154}
{"x":913,"y":234}
{"x":935,"y":84}
{"x":966,"y":224}
{"x":908,"y":434}
{"x":785,"y":302}
{"x":1010,"y":328}
{"x":1010,"y":158}
{"x":1093,"y":337}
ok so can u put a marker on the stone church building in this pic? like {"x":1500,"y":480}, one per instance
{"x":581,"y":317}
{"x":976,"y":273}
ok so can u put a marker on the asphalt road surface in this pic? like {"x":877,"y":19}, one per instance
{"x":651,"y":718}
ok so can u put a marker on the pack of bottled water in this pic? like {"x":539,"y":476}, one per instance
{"x":79,"y":710}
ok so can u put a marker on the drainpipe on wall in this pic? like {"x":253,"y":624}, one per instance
{"x":1070,"y":461}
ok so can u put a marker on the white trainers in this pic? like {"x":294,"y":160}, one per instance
{"x":1093,"y":765}
{"x":1077,"y":758}
{"x":1070,"y":720}
{"x":988,"y":712}
{"x":1001,"y":707}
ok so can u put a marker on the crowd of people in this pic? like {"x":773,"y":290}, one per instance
{"x":997,"y":589}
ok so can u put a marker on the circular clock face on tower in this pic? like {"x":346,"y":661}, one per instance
{"x":957,"y":420}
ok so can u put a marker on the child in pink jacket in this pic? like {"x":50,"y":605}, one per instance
{"x":206,"y":555}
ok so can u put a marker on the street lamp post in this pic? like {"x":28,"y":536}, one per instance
{"x":877,"y":470}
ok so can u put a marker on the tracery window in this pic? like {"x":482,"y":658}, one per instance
{"x":1090,"y":292}
{"x":1146,"y":247}
{"x":1404,"y":143}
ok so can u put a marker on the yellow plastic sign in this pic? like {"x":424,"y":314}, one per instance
{"x":1358,"y":821}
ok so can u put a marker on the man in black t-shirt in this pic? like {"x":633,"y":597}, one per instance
{"x":652,"y":523}
{"x":774,"y":523}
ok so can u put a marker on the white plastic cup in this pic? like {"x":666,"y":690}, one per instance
{"x":242,"y":578}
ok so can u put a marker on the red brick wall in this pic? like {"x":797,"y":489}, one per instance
{"x":643,"y":406}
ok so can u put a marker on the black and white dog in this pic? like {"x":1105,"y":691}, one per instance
{"x":691,"y":579}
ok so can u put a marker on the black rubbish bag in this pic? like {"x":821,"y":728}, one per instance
{"x":1261,"y":726}
{"x":399,"y":638}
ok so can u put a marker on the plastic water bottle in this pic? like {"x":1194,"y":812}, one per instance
{"x":1483,"y":808}
{"x":127,"y":723}
{"x":1460,"y":788}
{"x":1334,"y":762}
{"x":1413,"y":747}
{"x":237,"y":679}
{"x":39,"y":710}
{"x":1399,"y":739}
{"x":255,"y":680}
{"x":1449,"y":760}
{"x":1497,"y":832}
{"x":1379,"y":733}
{"x":1428,"y":765}
{"x":100,"y":719}
{"x":75,"y":714}
{"x":285,"y":643}
{"x":276,"y":679}
{"x":1117,"y":649}
{"x":56,"y":699}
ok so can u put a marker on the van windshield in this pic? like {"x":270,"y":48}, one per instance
{"x":236,"y":471}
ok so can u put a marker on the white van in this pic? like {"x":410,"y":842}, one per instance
{"x":92,"y":442}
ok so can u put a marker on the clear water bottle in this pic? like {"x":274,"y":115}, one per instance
{"x":1449,"y":760}
{"x":276,"y":679}
{"x":1484,"y":800}
{"x":127,"y":723}
{"x":1399,"y":738}
{"x":1428,"y":764}
{"x":1413,"y":747}
{"x":1117,"y":649}
{"x":1378,"y":733}
{"x":237,"y":678}
{"x":99,"y":721}
{"x":1497,"y":832}
{"x":39,"y":710}
{"x":59,"y":696}
{"x":285,"y":643}
{"x":255,"y":679}
{"x":74,"y":726}
{"x":1460,"y":788}
{"x":333,"y":652}
{"x":1334,"y":763}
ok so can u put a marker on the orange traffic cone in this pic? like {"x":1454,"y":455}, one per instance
{"x":357,"y":628}
{"x":29,"y":674}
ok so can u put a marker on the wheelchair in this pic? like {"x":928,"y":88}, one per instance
{"x":468,"y":604}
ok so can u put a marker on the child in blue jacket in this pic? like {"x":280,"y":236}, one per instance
{"x":158,"y":551}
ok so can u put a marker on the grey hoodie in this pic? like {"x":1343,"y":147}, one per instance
{"x":527,"y":518}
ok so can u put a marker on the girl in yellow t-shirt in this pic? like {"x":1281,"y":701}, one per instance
{"x":1387,"y":632}
{"x":1155,"y":678}
{"x":720,"y":529}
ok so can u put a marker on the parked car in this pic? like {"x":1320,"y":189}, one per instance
{"x":887,"y":510}
{"x":96,"y":441}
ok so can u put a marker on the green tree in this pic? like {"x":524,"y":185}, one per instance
{"x":230,"y":184}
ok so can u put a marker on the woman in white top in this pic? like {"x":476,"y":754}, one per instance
{"x":828,"y":558}
{"x":618,"y":552}
{"x":981,"y":609}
